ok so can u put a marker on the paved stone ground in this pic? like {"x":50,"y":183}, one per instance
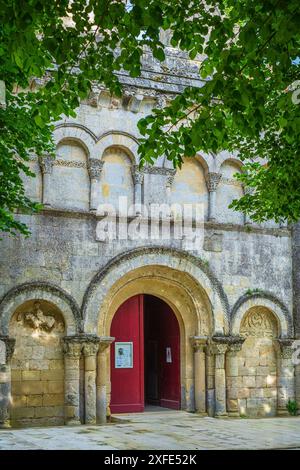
{"x":161,"y":430}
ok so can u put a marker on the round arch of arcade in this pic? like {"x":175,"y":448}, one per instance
{"x":182,"y":282}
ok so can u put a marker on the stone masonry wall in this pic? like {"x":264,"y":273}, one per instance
{"x":37,"y":367}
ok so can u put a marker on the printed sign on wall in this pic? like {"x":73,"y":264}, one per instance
{"x":124,"y":355}
{"x":168,"y":355}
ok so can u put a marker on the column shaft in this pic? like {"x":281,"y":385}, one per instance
{"x":286,"y":376}
{"x":220,"y":380}
{"x":213,"y":180}
{"x":101,"y":405}
{"x":232,"y":373}
{"x":7,"y":348}
{"x":199,"y":374}
{"x":72,"y":349}
{"x":90,"y":366}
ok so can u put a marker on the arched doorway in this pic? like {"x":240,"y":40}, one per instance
{"x":145,"y":356}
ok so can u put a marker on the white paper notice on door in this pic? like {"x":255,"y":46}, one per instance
{"x":124,"y":355}
{"x":168,"y":355}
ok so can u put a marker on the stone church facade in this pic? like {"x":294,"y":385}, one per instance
{"x":235,"y":297}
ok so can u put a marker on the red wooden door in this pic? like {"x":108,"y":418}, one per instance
{"x":162,"y":343}
{"x":127,"y":380}
{"x":169,"y":359}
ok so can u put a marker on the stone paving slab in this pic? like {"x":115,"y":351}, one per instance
{"x":167,"y":430}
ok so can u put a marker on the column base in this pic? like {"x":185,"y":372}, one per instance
{"x":233,"y":414}
{"x":282,"y":412}
{"x":221,"y":415}
{"x":101,"y":422}
{"x":5,"y":425}
{"x":201,"y":414}
{"x":73,"y":422}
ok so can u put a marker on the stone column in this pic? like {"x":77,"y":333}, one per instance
{"x":199,"y":343}
{"x":95,"y":168}
{"x":213,"y":180}
{"x":138,"y":178}
{"x":7,"y":346}
{"x":46,"y":165}
{"x":232,"y":372}
{"x":296,"y":298}
{"x":169,"y":182}
{"x":220,"y":349}
{"x":72,"y":353}
{"x":247,"y":218}
{"x":210,"y":379}
{"x":90,"y":349}
{"x":101,"y":378}
{"x":286,"y":375}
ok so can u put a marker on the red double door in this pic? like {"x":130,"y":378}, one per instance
{"x":145,"y":356}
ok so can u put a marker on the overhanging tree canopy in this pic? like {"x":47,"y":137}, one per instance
{"x":250,"y":50}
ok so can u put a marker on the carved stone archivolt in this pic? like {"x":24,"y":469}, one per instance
{"x":259,"y":322}
{"x":40,"y":321}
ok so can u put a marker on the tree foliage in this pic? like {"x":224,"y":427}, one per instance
{"x":249,"y":50}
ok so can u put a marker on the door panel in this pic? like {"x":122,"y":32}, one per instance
{"x":169,"y":359}
{"x":162,"y":368}
{"x":152,"y":378}
{"x":127,"y":384}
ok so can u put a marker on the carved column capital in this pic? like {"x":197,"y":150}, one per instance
{"x":104,"y":342}
{"x":198,"y":342}
{"x":72,"y":346}
{"x":219,"y":348}
{"x":137,"y":175}
{"x":46,"y":164}
{"x":235,"y":344}
{"x":213,"y":180}
{"x":286,"y":349}
{"x":220,"y":344}
{"x":94,"y":168}
{"x":9,"y":345}
{"x":90,"y":349}
{"x":170,"y":177}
